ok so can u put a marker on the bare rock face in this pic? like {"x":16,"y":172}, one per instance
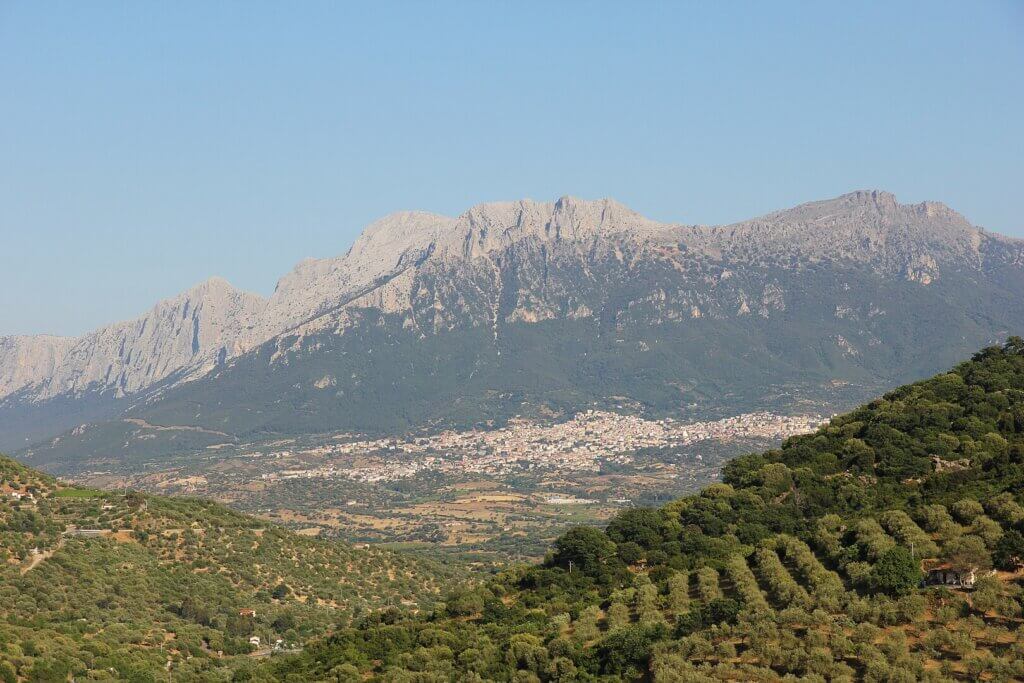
{"x":28,"y":361}
{"x":531,"y":261}
{"x":517,"y":262}
{"x":866,"y":227}
{"x":385,"y":248}
{"x":187,"y":334}
{"x":490,"y":228}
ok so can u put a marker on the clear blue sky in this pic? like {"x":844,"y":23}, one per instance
{"x":146,"y":146}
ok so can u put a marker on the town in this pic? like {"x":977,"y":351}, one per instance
{"x":502,"y":490}
{"x":585,"y":443}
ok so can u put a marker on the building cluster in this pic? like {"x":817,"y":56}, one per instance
{"x":583,"y":443}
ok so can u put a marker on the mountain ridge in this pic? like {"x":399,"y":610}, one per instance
{"x":471,"y":234}
{"x":506,"y":263}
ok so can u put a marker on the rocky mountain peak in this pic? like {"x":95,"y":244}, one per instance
{"x":25,"y":360}
{"x":212,"y":305}
{"x":385,"y":242}
{"x":859,"y":225}
{"x":578,"y":217}
{"x":192,"y":330}
{"x":878,"y":198}
{"x":212,"y":286}
{"x":872,"y":208}
{"x":494,"y":226}
{"x":886,"y":204}
{"x":212,"y":321}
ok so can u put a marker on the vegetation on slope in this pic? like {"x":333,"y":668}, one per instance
{"x":807,"y":561}
{"x":124,"y":587}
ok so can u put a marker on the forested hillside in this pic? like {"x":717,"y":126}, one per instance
{"x":122,"y":586}
{"x":816,"y":560}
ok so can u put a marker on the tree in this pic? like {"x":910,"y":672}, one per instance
{"x":678,"y":593}
{"x":465,"y":602}
{"x":642,"y":526}
{"x":988,"y":592}
{"x":527,"y":652}
{"x":586,"y":627}
{"x":987,"y":529}
{"x":722,"y":611}
{"x":618,"y":615}
{"x":284,"y":622}
{"x":968,"y":552}
{"x":628,"y":648}
{"x":1009,"y":550}
{"x":584,"y":549}
{"x":895,"y":573}
{"x":630,"y":552}
{"x":966,"y":510}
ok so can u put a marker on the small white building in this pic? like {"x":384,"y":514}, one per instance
{"x":254,"y":641}
{"x":959,"y":577}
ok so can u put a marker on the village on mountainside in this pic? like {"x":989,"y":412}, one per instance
{"x":583,"y":443}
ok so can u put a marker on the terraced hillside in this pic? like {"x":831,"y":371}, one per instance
{"x":887,"y":546}
{"x":123,"y":586}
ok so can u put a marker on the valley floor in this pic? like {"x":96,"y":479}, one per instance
{"x":487,"y":495}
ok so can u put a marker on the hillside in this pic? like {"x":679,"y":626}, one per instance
{"x":807,"y":561}
{"x":121,"y":586}
{"x":528,"y":308}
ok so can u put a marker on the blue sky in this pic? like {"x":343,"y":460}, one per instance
{"x":145,"y":147}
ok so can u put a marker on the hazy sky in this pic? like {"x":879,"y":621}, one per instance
{"x":145,"y":147}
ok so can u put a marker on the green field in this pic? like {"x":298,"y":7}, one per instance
{"x":80,"y":493}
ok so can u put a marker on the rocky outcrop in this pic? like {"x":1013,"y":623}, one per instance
{"x":28,"y":362}
{"x":514,"y":262}
{"x":187,"y":334}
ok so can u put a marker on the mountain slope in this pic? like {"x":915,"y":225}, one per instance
{"x":93,"y":583}
{"x":187,"y":332}
{"x":526,"y":307}
{"x":815,"y":561}
{"x":48,"y":384}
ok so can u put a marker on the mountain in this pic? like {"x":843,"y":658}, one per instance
{"x":529,"y":307}
{"x":49,"y":382}
{"x":887,"y":546}
{"x":122,"y":586}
